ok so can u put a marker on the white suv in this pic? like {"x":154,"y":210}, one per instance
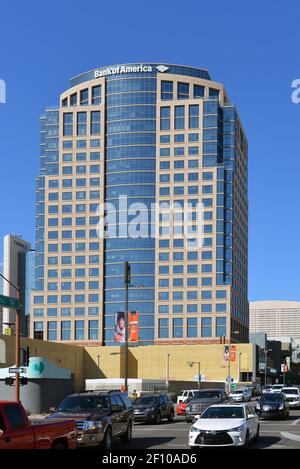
{"x":292,"y":395}
{"x":186,"y":394}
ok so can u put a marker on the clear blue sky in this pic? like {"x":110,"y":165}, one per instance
{"x":252,"y":49}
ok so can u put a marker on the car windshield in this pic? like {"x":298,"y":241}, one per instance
{"x":207,"y":395}
{"x":272,"y":397}
{"x":290,"y":391}
{"x":237,"y":392}
{"x":146,"y":400}
{"x":223,"y":413}
{"x":277,"y":386}
{"x":84,"y":404}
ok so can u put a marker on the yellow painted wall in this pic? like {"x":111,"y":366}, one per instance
{"x":150,"y":362}
{"x":144,"y":362}
{"x":63,"y":356}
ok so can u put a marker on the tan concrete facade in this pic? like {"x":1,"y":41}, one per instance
{"x":147,"y":362}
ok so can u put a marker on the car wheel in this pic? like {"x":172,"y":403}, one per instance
{"x":107,"y":440}
{"x":157,"y":418}
{"x":171,"y":416}
{"x":247,"y":440}
{"x":127,"y":437}
{"x":257,"y":434}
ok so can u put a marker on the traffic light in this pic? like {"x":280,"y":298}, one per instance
{"x":23,"y":381}
{"x":127,"y":272}
{"x":9,"y":381}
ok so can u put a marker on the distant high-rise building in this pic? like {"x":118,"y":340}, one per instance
{"x":144,"y":133}
{"x":277,"y":319}
{"x":15,"y":269}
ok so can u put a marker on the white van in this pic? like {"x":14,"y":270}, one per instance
{"x":186,"y":394}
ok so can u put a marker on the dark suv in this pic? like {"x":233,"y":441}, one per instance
{"x":100,"y":417}
{"x":152,"y":408}
{"x":201,"y":400}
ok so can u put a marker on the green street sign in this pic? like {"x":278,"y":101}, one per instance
{"x":9,"y":302}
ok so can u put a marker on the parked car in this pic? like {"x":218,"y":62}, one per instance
{"x":100,"y":417}
{"x":292,"y":395}
{"x":16,"y":432}
{"x":273,"y":405}
{"x":153,"y":408}
{"x":201,"y":400}
{"x":180,"y":408}
{"x":225,"y":425}
{"x":186,"y":394}
{"x":266,"y":389}
{"x":277,"y":387}
{"x":240,"y":395}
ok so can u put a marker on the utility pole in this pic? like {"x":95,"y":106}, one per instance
{"x":126,"y":283}
{"x":17,"y":343}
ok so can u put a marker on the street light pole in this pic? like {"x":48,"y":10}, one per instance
{"x":98,"y":364}
{"x":191,"y":364}
{"x":167,"y":371}
{"x":17,"y":343}
{"x":126,"y":282}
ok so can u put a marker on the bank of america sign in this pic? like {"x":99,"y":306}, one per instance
{"x":119,"y":70}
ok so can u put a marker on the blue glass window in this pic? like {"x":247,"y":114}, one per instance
{"x":194,"y":116}
{"x":192,"y":324}
{"x":165,"y":118}
{"x":166,"y":90}
{"x":183,"y":90}
{"x":179,"y":117}
{"x":95,"y":123}
{"x":198,"y":91}
{"x":163,"y":328}
{"x":67,"y":124}
{"x":84,"y":97}
{"x":96,"y":94}
{"x":79,"y":330}
{"x":206,"y":327}
{"x":177,"y":328}
{"x":221,"y":327}
{"x":65,"y":330}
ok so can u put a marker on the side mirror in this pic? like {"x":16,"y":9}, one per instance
{"x":196,"y":417}
{"x":52,"y":409}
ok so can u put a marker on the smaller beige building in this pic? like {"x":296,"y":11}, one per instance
{"x":277,"y":319}
{"x":148,"y":362}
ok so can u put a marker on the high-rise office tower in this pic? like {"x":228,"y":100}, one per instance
{"x":16,"y":269}
{"x":130,"y":136}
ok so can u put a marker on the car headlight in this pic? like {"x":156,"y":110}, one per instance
{"x":92,"y":426}
{"x":195,"y":429}
{"x":258,"y":406}
{"x":236,"y":429}
{"x":150,"y":409}
{"x":281,"y":406}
